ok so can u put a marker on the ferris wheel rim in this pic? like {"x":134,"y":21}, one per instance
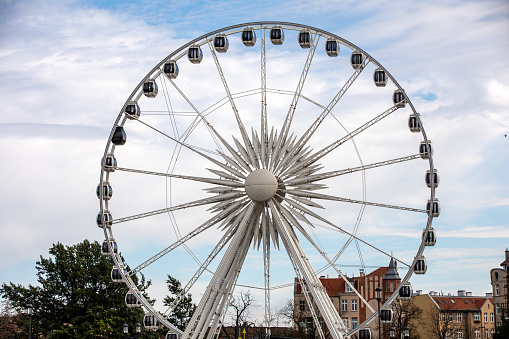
{"x":156,"y":72}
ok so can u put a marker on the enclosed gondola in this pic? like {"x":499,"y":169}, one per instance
{"x":171,"y":69}
{"x":104,"y":219}
{"x":150,"y":322}
{"x":305,"y":39}
{"x":221,"y":43}
{"x":365,"y":333}
{"x":430,"y":237}
{"x":171,"y":336}
{"x":405,"y":292}
{"x":150,"y":88}
{"x":433,"y":208}
{"x":105,"y":249}
{"x":248,"y":36}
{"x":132,"y":300}
{"x":332,"y":47}
{"x":195,"y":54}
{"x":432,"y":180}
{"x":386,"y":316}
{"x":277,"y":35}
{"x":107,"y":190}
{"x":414,"y":123}
{"x":420,"y":266}
{"x":110,"y":163}
{"x":398,"y":98}
{"x":380,"y":77}
{"x":357,"y":59}
{"x":116,"y":276}
{"x":119,"y":136}
{"x":426,"y":151}
{"x":132,"y":110}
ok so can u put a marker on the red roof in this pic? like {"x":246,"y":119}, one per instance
{"x":459,"y":303}
{"x":379,"y":271}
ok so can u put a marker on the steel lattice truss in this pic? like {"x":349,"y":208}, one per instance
{"x":267,"y":186}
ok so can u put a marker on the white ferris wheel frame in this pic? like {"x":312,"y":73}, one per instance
{"x":214,"y":306}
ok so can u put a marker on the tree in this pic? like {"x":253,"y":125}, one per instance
{"x":240,"y":307}
{"x":406,"y":313}
{"x":301,"y":318}
{"x":184,"y":310}
{"x":75,"y":297}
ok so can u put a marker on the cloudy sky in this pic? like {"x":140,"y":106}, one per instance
{"x":67,"y":68}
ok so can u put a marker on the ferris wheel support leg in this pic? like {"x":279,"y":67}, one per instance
{"x":322,"y":300}
{"x":197,"y":323}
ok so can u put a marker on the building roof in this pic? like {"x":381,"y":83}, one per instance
{"x":445,"y":302}
{"x":392,"y":272}
{"x":333,"y":286}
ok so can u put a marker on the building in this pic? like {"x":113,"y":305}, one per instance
{"x":351,"y":308}
{"x":499,"y":283}
{"x":455,"y":317}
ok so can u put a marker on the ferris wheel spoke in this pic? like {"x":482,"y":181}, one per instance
{"x":296,"y":254}
{"x":264,"y":154}
{"x":228,"y":183}
{"x":314,"y":195}
{"x":293,"y":221}
{"x":314,"y":126}
{"x":200,"y":202}
{"x":296,"y":167}
{"x":326,"y":175}
{"x":169,"y":108}
{"x":220,"y":245}
{"x":242,"y":129}
{"x":289,"y":116}
{"x":206,"y":225}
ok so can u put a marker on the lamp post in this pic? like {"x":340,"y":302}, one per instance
{"x":392,"y":332}
{"x":378,"y":294}
{"x":138,"y":330}
{"x":126,"y":329}
{"x":30,"y":311}
{"x":406,"y":332}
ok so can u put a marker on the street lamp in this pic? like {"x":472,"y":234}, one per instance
{"x":406,"y":332}
{"x":126,"y":329}
{"x":392,"y":332}
{"x":138,"y":330}
{"x":30,"y":312}
{"x":378,"y":294}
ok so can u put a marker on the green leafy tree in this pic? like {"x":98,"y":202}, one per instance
{"x":75,"y":297}
{"x":184,"y":310}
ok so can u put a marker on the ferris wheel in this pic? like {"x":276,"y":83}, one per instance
{"x":259,"y":142}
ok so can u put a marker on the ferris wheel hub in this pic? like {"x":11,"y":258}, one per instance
{"x":261,"y":185}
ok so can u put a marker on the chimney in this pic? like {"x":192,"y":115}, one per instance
{"x":469,"y":294}
{"x":489,"y":295}
{"x":507,"y":253}
{"x":461,"y":293}
{"x":418,"y":292}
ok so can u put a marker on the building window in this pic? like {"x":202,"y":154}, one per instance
{"x":493,"y":333}
{"x":345,"y":322}
{"x":344,"y":305}
{"x":392,"y":286}
{"x":497,"y":308}
{"x":459,"y":334}
{"x":477,"y":317}
{"x":477,"y":333}
{"x":349,"y":288}
{"x":459,"y":317}
{"x":486,"y":333}
{"x":492,"y":317}
{"x":443,"y":317}
{"x":485,"y":317}
{"x":354,"y":305}
{"x":354,"y":323}
{"x":451,"y":317}
{"x":302,"y":305}
{"x":497,"y":290}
